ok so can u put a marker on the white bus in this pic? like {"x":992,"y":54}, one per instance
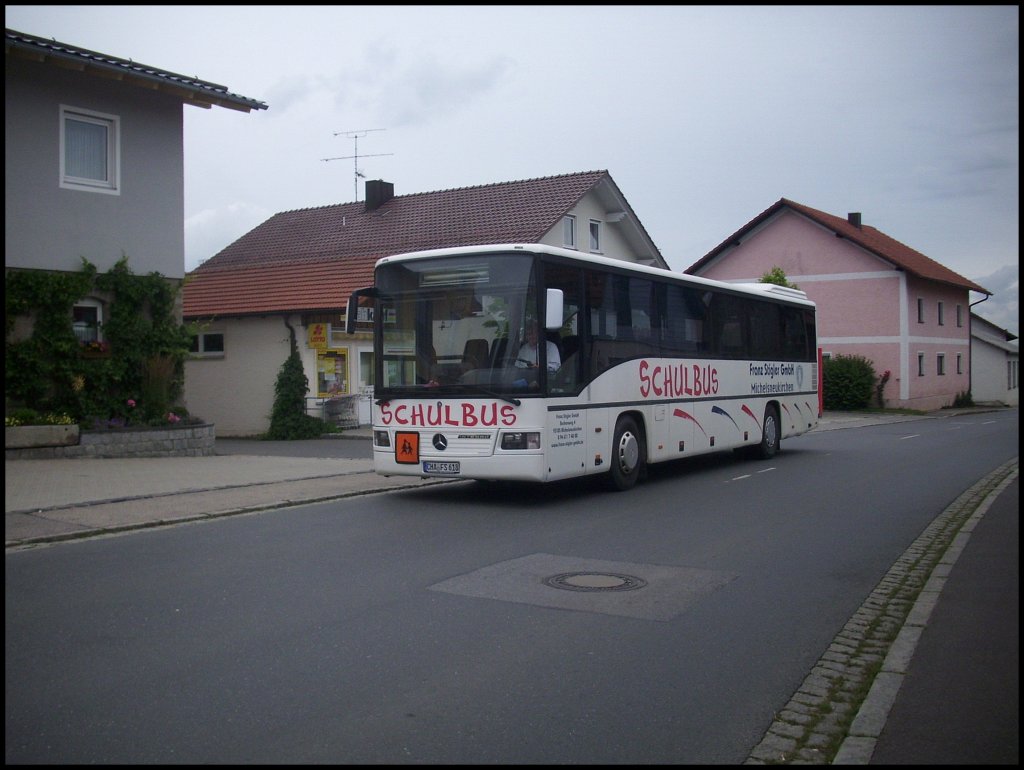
{"x":640,"y":365}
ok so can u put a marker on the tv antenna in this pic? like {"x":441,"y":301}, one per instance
{"x":355,"y":136}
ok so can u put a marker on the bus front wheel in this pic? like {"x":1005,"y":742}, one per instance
{"x":628,"y":456}
{"x":770,"y":434}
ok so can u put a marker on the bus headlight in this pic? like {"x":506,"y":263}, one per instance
{"x":381,"y":438}
{"x":520,"y":440}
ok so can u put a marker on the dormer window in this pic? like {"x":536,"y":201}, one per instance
{"x":595,"y":236}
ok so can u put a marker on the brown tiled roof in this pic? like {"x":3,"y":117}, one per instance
{"x":867,"y":237}
{"x":312,"y":259}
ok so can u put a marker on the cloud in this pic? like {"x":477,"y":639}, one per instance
{"x":212,"y":229}
{"x":1003,"y":307}
{"x":419,"y":91}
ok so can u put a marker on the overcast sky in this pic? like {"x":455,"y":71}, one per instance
{"x":703,"y":116}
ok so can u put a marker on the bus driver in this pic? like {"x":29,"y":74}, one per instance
{"x":527,"y":356}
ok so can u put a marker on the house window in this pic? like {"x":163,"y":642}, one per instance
{"x":959,"y":316}
{"x":942,"y":315}
{"x":208,"y":345}
{"x":940,"y":364}
{"x":595,"y":236}
{"x":920,"y":364}
{"x":826,"y":355}
{"x":87,"y":321}
{"x":89,"y":151}
{"x":959,"y":363}
{"x":920,"y":310}
{"x":569,"y":231}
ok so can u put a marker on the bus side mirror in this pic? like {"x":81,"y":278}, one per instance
{"x":553,"y":310}
{"x":352,"y":311}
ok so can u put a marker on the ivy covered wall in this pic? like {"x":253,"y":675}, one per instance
{"x":133,"y":376}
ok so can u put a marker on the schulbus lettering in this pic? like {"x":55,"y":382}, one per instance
{"x":454,"y":415}
{"x":679,"y":380}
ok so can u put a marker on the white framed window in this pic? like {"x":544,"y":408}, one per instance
{"x":208,"y":345}
{"x":826,"y":355}
{"x":569,"y":231}
{"x":920,"y":310}
{"x":959,"y":363}
{"x":90,"y":149}
{"x":940,"y":364}
{"x":87,"y":321}
{"x":595,"y":236}
{"x":942,"y":314}
{"x":959,"y":316}
{"x":920,"y":364}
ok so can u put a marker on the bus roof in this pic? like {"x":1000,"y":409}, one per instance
{"x":783,"y":293}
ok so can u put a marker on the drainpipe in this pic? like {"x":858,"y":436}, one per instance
{"x":970,"y":344}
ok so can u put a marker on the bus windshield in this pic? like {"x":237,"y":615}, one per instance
{"x":455,"y":325}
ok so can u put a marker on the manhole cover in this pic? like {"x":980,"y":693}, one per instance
{"x":594,"y":581}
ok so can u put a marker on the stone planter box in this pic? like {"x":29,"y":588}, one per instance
{"x":173,"y":441}
{"x":25,"y":436}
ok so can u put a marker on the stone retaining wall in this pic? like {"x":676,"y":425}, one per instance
{"x":181,"y":441}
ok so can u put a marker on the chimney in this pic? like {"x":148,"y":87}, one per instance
{"x":378,"y":192}
{"x":853,"y":217}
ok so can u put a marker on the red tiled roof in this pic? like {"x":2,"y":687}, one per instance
{"x":865,"y":236}
{"x":312,"y":259}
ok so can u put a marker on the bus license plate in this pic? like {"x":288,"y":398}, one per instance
{"x":441,"y":468}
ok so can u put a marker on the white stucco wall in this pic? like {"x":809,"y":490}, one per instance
{"x":236,"y":391}
{"x":990,"y":381}
{"x":613,"y":245}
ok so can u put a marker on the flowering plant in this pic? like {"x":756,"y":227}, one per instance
{"x":95,"y":346}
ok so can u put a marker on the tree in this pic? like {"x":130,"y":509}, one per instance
{"x":288,"y":420}
{"x":777,"y":276}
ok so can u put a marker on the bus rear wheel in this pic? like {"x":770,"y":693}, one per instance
{"x":628,"y":456}
{"x":771,"y":432}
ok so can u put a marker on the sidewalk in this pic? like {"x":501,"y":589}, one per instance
{"x":55,"y":500}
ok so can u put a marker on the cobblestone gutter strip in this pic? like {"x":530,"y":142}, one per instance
{"x":837,"y":714}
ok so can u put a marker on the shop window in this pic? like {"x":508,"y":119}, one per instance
{"x":332,"y":373}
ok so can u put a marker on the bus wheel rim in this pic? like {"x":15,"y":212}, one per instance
{"x":629,"y":452}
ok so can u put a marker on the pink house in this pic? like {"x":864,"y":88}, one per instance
{"x":876,"y":297}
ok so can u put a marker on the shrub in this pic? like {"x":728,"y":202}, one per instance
{"x":848,"y":382}
{"x":963,"y":399}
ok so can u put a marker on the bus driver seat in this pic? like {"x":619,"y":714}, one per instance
{"x":474,"y":354}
